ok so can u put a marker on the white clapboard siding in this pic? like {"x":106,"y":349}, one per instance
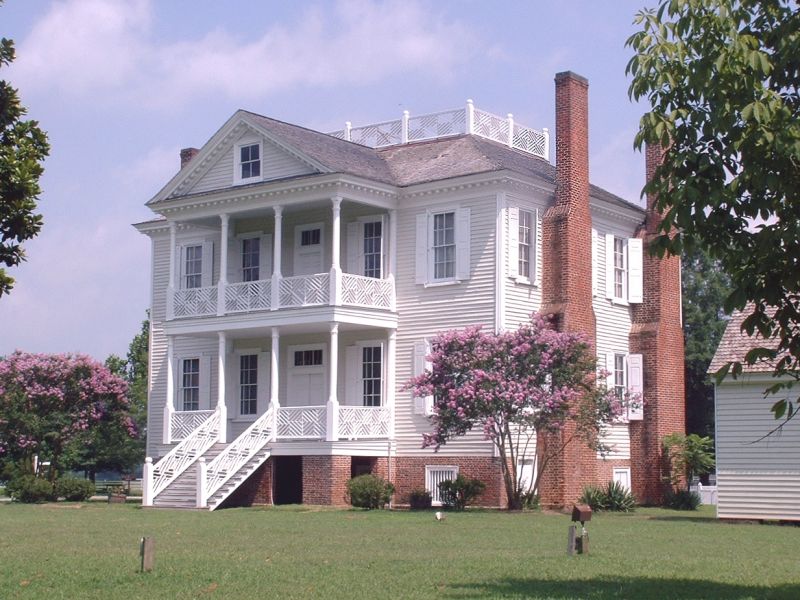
{"x":617,"y":437}
{"x":756,"y":478}
{"x":158,"y":345}
{"x":424,"y":311}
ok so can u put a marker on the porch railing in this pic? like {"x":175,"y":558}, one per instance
{"x":176,"y":461}
{"x":368,"y":292}
{"x":356,"y":422}
{"x":184,"y":422}
{"x":298,"y":422}
{"x":248,"y":295}
{"x":194,"y":302}
{"x":305,"y":290}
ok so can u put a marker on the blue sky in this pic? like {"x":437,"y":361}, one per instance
{"x":121,"y":85}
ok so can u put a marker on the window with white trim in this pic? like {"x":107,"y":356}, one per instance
{"x":371,"y":370}
{"x":308,"y":242}
{"x":190,"y":384}
{"x":308,"y":358}
{"x":251,"y":259}
{"x":624,"y":269}
{"x":250,"y":161}
{"x":248,"y":384}
{"x":620,"y":383}
{"x":436,"y":474}
{"x":193,"y":267}
{"x":373,"y":249}
{"x":625,"y":378}
{"x":443,"y":246}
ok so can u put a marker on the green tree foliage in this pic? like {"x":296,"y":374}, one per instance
{"x":23,"y":148}
{"x":721,"y":78}
{"x":107,"y":448}
{"x":704,"y":287}
{"x":689,"y":455}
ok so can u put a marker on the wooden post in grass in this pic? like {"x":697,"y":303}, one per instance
{"x":147,"y":550}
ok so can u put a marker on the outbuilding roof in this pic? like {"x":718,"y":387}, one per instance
{"x":735,"y":344}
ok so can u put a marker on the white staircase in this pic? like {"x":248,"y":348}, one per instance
{"x":182,"y":491}
{"x":199,"y":473}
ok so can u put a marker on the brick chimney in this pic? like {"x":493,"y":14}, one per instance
{"x":187,"y":154}
{"x":567,"y":273}
{"x":657,"y":335}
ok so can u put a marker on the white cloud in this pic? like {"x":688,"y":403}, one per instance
{"x":103,"y":47}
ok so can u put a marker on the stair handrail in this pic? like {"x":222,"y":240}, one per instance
{"x":239,"y":452}
{"x":177,"y":460}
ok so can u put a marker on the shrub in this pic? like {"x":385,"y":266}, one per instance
{"x":30,"y":489}
{"x":459,"y":492}
{"x":682,"y":500}
{"x":594,"y":496}
{"x":530,"y":501}
{"x":369,"y":491}
{"x":74,"y":489}
{"x":618,"y":498}
{"x":419,"y":499}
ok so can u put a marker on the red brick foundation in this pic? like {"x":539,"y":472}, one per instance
{"x":256,"y":490}
{"x":325,"y":480}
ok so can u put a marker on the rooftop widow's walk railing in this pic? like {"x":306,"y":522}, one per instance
{"x":450,"y":122}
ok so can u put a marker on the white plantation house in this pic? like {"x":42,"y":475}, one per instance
{"x":297,"y":276}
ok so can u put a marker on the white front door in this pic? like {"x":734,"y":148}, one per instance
{"x":306,"y":381}
{"x":623,"y":477}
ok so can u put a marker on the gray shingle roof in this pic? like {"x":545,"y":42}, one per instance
{"x":735,"y":344}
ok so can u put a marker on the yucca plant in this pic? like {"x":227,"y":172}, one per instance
{"x":594,"y":496}
{"x":618,"y":498}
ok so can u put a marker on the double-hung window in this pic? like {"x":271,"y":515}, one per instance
{"x":625,"y":379}
{"x":373,"y":251}
{"x":620,"y":269}
{"x":525,"y":243}
{"x":193,"y":267}
{"x":522,"y":238}
{"x":620,"y":386}
{"x":248,"y":384}
{"x":190,"y":384}
{"x":251,"y":259}
{"x":443,"y":246}
{"x":249,"y":161}
{"x":371,"y":368}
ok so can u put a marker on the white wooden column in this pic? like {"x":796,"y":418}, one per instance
{"x":336,"y":268}
{"x":392,"y":266}
{"x":169,"y":407}
{"x":390,"y":378}
{"x":332,"y":412}
{"x":277,"y":242}
{"x":222,"y":354}
{"x":223,"y":264}
{"x":173,"y":284}
{"x":274,"y":381}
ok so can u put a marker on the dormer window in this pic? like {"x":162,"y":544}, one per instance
{"x":248,"y":163}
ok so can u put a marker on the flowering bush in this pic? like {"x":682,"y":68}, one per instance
{"x":49,"y":401}
{"x":514,"y":386}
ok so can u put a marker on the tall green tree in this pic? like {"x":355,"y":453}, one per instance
{"x":722,"y":80}
{"x":23,"y":148}
{"x":704,"y":287}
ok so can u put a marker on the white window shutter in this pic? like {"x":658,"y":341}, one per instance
{"x":262,"y":382}
{"x":512,"y":256}
{"x":355,"y":264}
{"x":595,"y":266}
{"x":265,"y":258}
{"x":207,"y":266}
{"x":353,"y":393}
{"x":635,"y":270}
{"x":463,"y":248}
{"x":610,"y":265}
{"x":421,"y":350}
{"x":636,"y":385}
{"x":234,"y":249}
{"x":180,"y":268}
{"x":422,"y":249}
{"x":233,"y":377}
{"x":610,"y":369}
{"x":205,"y":383}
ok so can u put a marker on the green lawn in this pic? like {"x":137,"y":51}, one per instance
{"x":91,"y":551}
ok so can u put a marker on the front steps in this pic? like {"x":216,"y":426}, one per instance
{"x":258,"y":459}
{"x":182,"y":493}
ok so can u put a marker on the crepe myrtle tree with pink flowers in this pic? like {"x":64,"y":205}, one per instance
{"x":516,"y":386}
{"x":51,"y":402}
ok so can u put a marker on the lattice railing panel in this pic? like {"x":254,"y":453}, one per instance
{"x":248,"y":295}
{"x":184,"y":454}
{"x":238,"y":453}
{"x":305,"y":290}
{"x":301,"y":422}
{"x":363,"y":422}
{"x":530,"y":140}
{"x":194,"y":302}
{"x":490,"y":126}
{"x":184,"y":422}
{"x":440,"y":124}
{"x":358,"y":290}
{"x":338,"y":134}
{"x":387,"y":133}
